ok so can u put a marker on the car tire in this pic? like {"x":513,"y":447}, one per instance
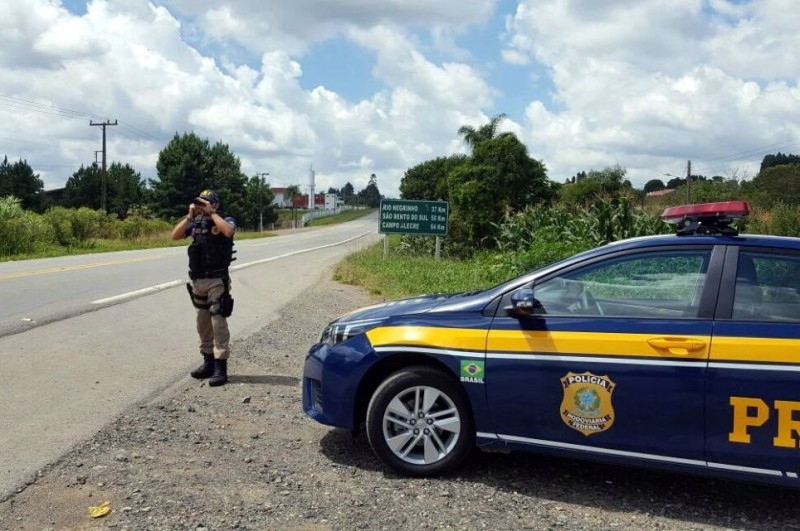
{"x":419,"y":422}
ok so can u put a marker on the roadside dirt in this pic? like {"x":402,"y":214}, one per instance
{"x":244,"y":456}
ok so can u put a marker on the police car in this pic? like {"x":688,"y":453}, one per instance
{"x":675,"y":351}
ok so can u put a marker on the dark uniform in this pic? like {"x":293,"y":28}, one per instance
{"x":210,"y":255}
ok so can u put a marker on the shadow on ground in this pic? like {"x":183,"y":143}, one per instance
{"x":265,"y":379}
{"x":606,"y":487}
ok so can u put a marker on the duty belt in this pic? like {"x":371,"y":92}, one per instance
{"x":205,"y":274}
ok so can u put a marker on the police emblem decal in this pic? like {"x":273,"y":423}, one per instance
{"x":586,"y":406}
{"x":472,"y":371}
{"x":214,"y":230}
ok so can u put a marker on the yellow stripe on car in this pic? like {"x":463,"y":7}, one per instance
{"x":756,"y":349}
{"x":429,"y":336}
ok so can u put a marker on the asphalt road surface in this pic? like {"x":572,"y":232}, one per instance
{"x":84,"y":337}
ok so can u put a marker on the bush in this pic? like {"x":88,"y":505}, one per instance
{"x":10,"y":207}
{"x":133,"y":228}
{"x":781,"y":220}
{"x":510,"y":264}
{"x":26,"y":233}
{"x":73,"y":227}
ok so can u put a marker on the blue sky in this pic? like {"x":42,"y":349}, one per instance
{"x":356,"y":87}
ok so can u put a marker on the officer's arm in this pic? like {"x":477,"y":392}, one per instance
{"x":179,"y":231}
{"x":224,"y":227}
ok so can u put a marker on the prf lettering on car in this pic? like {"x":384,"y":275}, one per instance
{"x":752,"y":413}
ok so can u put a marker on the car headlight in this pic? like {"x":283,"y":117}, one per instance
{"x":336,"y":332}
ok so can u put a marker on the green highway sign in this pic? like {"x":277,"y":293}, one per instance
{"x":398,"y":216}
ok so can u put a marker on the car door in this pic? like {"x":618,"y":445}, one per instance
{"x":614,"y":360}
{"x":753,"y":404}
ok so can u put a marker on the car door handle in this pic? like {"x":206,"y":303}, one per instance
{"x":680,"y":346}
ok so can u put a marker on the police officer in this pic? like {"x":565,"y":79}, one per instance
{"x":210,"y":254}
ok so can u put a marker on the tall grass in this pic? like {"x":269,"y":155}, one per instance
{"x":527,"y":240}
{"x":62,"y":231}
{"x":400,"y":275}
{"x":538,"y":236}
{"x":781,"y":220}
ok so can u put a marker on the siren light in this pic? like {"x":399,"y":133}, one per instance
{"x":706,"y":218}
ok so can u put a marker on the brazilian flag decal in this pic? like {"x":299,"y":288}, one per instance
{"x":472,"y":371}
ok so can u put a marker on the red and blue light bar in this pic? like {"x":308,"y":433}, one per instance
{"x":721,"y":211}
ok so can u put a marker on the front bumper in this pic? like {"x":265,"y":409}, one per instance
{"x":331,"y":376}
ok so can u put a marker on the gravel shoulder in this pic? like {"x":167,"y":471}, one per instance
{"x":244,"y":456}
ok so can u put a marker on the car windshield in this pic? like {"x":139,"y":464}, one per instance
{"x":512,"y":282}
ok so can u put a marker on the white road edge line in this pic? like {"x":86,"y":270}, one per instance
{"x":167,"y":285}
{"x":143,"y":291}
{"x":287,"y":255}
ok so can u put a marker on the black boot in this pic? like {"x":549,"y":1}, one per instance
{"x":220,"y":376}
{"x":206,"y":369}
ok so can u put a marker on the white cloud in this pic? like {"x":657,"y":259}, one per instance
{"x":130,"y":60}
{"x":645,"y":84}
{"x":295,"y":26}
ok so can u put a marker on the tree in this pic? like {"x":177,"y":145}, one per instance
{"x":347,"y":193}
{"x":596,"y":185}
{"x":84,"y":188}
{"x":653,"y":185}
{"x":520,"y":179}
{"x":291,"y":193}
{"x":473,"y":136}
{"x":227,"y":179}
{"x":428,"y":181}
{"x":256,"y":209}
{"x":676,"y":182}
{"x":188,"y":165}
{"x":125,"y":189}
{"x":710,"y":191}
{"x":775,"y":184}
{"x":779,"y":159}
{"x":370,"y":195}
{"x":499,"y":178}
{"x":19,"y":180}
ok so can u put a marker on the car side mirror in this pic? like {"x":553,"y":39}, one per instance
{"x":523,"y":303}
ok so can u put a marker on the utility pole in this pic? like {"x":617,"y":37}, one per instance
{"x":104,"y":176}
{"x":688,"y":181}
{"x":261,"y":200}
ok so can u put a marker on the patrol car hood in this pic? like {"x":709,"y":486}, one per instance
{"x":419,"y":304}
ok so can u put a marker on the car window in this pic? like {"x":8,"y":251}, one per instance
{"x":664,"y":284}
{"x":767,"y":287}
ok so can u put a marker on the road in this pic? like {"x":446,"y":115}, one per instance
{"x":84,"y":337}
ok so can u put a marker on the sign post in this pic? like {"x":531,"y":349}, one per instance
{"x":420,"y":218}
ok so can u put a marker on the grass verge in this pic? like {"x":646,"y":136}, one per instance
{"x":399,"y":276}
{"x":347,"y":215}
{"x":109,"y":246}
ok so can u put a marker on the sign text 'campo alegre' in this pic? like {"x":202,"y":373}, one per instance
{"x":398,"y":216}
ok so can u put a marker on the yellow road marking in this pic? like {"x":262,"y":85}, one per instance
{"x":23,"y":274}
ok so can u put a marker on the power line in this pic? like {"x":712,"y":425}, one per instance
{"x":53,"y":110}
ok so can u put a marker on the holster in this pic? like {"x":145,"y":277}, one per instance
{"x":224,"y":304}
{"x":198,"y":301}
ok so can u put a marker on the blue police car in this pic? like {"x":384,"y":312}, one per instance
{"x":675,"y":351}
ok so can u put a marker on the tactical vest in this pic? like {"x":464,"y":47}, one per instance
{"x":210,"y":252}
